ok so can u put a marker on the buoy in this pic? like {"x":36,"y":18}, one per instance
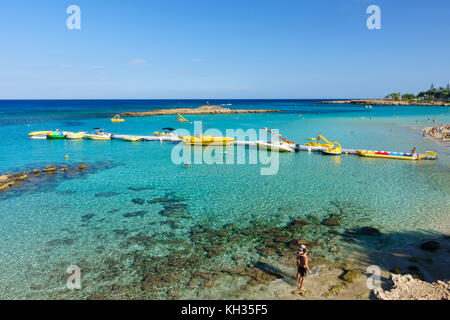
{"x":67,"y":157}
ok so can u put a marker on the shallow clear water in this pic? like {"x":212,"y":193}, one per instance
{"x":42,"y":232}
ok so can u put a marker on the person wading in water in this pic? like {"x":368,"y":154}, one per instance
{"x":302,"y":266}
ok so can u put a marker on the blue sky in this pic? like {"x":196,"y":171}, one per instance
{"x":221,"y":49}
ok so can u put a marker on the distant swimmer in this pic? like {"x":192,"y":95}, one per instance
{"x":414,"y":152}
{"x":187,"y":165}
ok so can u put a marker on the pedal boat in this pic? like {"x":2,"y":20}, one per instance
{"x":117,"y":118}
{"x":333,"y":151}
{"x":208,"y":141}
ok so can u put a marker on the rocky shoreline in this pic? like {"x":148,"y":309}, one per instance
{"x":209,"y":109}
{"x":387,"y":102}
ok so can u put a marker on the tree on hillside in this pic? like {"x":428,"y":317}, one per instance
{"x":408,"y":96}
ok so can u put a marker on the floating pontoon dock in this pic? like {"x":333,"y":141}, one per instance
{"x":298,"y":147}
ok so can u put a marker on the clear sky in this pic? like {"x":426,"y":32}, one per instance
{"x":222,"y":49}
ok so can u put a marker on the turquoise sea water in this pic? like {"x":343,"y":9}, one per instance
{"x":86,"y":220}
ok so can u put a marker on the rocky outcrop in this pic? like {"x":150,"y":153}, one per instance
{"x":407,"y":288}
{"x":8,"y":181}
{"x":200,"y":110}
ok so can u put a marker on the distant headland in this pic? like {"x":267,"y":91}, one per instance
{"x":431,"y":97}
{"x":206,"y":109}
{"x":390,"y":102}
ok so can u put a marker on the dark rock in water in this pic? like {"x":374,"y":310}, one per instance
{"x":122,"y":232}
{"x":48,"y":169}
{"x":36,"y":172}
{"x":331,"y":222}
{"x":166,"y":200}
{"x":369,"y":231}
{"x":295,"y":244}
{"x":57,"y":242}
{"x":106,"y":194}
{"x":430,"y":246}
{"x":87,"y":217}
{"x":299,"y":223}
{"x":37,"y":286}
{"x":135,"y":214}
{"x":176,"y":210}
{"x":139,"y":201}
{"x":65,"y":169}
{"x":139,"y":188}
{"x":281,"y":239}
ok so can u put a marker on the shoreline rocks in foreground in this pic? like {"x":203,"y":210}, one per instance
{"x":200,"y":110}
{"x":8,"y":181}
{"x":387,"y":102}
{"x":407,"y":288}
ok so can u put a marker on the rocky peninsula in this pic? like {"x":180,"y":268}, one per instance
{"x":206,"y":109}
{"x":388,"y":102}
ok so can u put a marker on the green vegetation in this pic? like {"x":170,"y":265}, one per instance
{"x":433,"y":94}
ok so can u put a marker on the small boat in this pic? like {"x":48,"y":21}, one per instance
{"x":208,"y":140}
{"x":275,"y":146}
{"x":39,"y":133}
{"x":56,"y":135}
{"x":368,"y":106}
{"x":167,"y":132}
{"x":75,"y":135}
{"x":390,"y":155}
{"x":117,"y":118}
{"x":99,"y":134}
{"x":181,"y":118}
{"x":333,"y":150}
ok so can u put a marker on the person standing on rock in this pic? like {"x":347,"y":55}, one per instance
{"x":302,"y":265}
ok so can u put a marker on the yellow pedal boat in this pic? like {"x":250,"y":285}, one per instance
{"x":208,"y":141}
{"x":117,"y":118}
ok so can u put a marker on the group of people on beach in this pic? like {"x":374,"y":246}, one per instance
{"x":442,"y":131}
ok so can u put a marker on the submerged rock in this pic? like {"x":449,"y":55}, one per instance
{"x":87,"y":217}
{"x":106,"y":194}
{"x":139,"y":188}
{"x":369,"y":231}
{"x":430,"y":245}
{"x":135,"y":214}
{"x":82,"y":166}
{"x":138,"y":201}
{"x":331,"y":222}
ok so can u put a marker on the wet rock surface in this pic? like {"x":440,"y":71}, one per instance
{"x":47,"y":178}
